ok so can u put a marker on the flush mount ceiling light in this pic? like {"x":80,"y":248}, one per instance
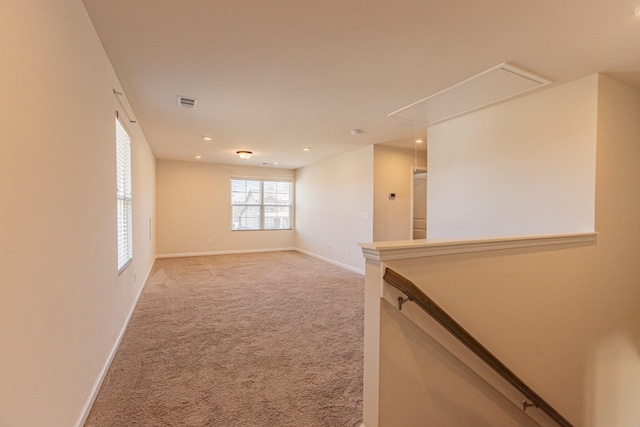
{"x":306,"y":149}
{"x":637,"y":11}
{"x":419,"y":140}
{"x":355,"y":132}
{"x":244,"y":155}
{"x":197,"y":157}
{"x":207,"y":138}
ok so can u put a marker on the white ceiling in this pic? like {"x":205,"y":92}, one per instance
{"x":276,"y":76}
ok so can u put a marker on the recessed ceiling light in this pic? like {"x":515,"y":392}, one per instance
{"x":197,"y":157}
{"x":207,"y":138}
{"x":306,"y":149}
{"x":419,"y":141}
{"x":637,"y":11}
{"x":355,"y":132}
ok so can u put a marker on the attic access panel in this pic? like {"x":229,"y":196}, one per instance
{"x":489,"y":87}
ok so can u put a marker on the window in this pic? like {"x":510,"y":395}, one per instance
{"x":123,"y":175}
{"x":261,"y":204}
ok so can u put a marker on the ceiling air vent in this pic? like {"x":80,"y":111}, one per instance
{"x":187,"y":102}
{"x":496,"y":84}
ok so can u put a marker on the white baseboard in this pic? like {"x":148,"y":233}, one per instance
{"x":243,"y":251}
{"x":249,"y":251}
{"x":330,"y":261}
{"x":86,"y":409}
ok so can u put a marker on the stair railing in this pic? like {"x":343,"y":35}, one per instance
{"x":414,"y":294}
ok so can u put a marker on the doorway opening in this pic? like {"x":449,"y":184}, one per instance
{"x":419,"y":204}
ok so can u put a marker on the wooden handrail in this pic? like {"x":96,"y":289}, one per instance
{"x":414,"y":294}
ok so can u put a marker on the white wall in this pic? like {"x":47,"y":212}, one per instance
{"x":612,"y":359}
{"x":194,"y":211}
{"x":564,"y":319}
{"x":334,"y":207}
{"x":193,"y":206}
{"x":393,"y":174}
{"x":523,"y":167}
{"x":62,"y":303}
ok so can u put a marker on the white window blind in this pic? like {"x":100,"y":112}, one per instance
{"x":123,"y":175}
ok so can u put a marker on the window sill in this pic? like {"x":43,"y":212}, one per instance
{"x":266,"y":229}
{"x":124,"y":267}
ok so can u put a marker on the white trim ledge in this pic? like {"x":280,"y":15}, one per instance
{"x":402,"y":249}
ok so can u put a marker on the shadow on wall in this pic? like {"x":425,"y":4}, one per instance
{"x":451,"y":393}
{"x":615,"y":375}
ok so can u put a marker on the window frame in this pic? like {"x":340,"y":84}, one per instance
{"x":124,"y":199}
{"x":262,"y":206}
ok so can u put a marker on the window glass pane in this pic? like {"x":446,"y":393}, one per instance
{"x":284,"y":187}
{"x":277,"y":217}
{"x":245,"y":218}
{"x":277,"y":193}
{"x":245,"y":192}
{"x":270,"y":187}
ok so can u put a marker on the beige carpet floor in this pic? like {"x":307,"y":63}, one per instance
{"x":265,"y":339}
